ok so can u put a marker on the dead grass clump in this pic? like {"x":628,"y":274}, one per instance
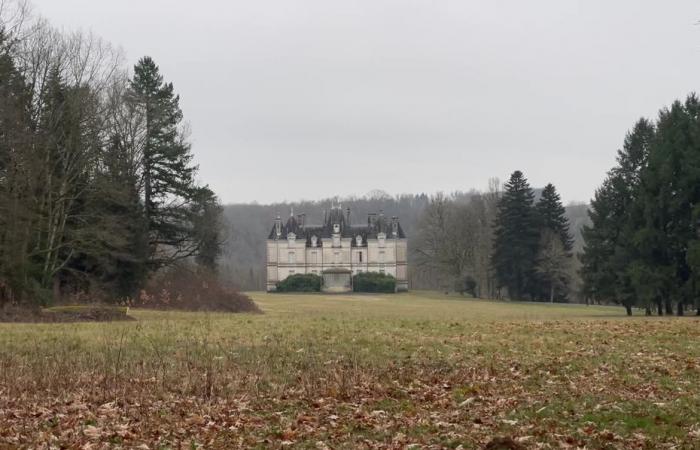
{"x":62,"y":314}
{"x":192,"y":290}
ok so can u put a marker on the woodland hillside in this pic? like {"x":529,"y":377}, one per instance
{"x":248,"y":225}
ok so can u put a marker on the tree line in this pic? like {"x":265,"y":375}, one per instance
{"x":243,"y":258}
{"x":642,"y":248}
{"x":97,"y":182}
{"x":501,"y":243}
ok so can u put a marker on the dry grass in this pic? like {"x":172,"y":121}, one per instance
{"x":365,"y":371}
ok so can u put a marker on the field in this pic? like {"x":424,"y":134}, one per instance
{"x":415,"y":370}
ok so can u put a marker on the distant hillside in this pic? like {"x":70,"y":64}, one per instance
{"x":249,"y":224}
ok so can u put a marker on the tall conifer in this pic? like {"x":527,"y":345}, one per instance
{"x":516,"y":239}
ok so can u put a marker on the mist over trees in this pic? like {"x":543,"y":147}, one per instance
{"x":97,"y":183}
{"x":641,"y":249}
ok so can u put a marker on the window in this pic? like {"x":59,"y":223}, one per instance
{"x":314,"y":257}
{"x":336,"y":257}
{"x":292,"y":272}
{"x":292,"y":258}
{"x":382,"y":255}
{"x":358,"y":240}
{"x":359,"y":255}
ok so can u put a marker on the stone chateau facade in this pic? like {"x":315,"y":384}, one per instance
{"x":337,"y":249}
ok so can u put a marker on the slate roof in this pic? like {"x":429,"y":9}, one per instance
{"x":376,"y":223}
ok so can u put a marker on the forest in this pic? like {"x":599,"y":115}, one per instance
{"x":98,"y":186}
{"x":642,"y":248}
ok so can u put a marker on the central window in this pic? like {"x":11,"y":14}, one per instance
{"x":292,"y":258}
{"x":359,"y":255}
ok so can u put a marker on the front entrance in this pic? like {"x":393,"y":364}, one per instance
{"x":337,"y":280}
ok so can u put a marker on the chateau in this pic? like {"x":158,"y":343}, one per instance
{"x":336,"y":250}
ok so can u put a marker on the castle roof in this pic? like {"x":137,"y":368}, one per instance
{"x":376,"y":224}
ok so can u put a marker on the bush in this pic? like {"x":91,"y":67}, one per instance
{"x":192,"y":289}
{"x":300,"y":283}
{"x":374,"y":282}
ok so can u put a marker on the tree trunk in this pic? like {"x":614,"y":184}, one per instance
{"x":56,"y":289}
{"x":551,"y":293}
{"x":647,"y":311}
{"x":659,"y":309}
{"x":669,"y":307}
{"x":628,"y":308}
{"x":680,"y":308}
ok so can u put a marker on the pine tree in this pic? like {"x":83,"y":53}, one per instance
{"x":667,"y":204}
{"x":609,"y":242}
{"x":169,"y":191}
{"x":552,"y":216}
{"x":208,"y":229}
{"x":516,"y":239}
{"x":553,"y":224}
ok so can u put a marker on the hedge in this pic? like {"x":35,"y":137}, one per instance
{"x":300,"y":283}
{"x":374,"y":282}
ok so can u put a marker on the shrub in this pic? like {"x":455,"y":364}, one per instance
{"x":373,"y":282}
{"x":192,"y":289}
{"x":300,"y":283}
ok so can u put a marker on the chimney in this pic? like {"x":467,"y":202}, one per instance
{"x":347,"y":216}
{"x":395,"y":226}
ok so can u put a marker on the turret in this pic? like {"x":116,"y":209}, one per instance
{"x":278,"y":226}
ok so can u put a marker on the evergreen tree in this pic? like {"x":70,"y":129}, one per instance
{"x":667,"y":203}
{"x":552,"y":216}
{"x":516,"y":239}
{"x":15,"y":209}
{"x":208,"y":229}
{"x":169,"y":191}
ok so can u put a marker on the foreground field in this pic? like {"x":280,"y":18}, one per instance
{"x":406,"y":371}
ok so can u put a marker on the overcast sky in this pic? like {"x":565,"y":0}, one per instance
{"x":317,"y":98}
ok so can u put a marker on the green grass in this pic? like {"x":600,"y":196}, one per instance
{"x":352,"y":371}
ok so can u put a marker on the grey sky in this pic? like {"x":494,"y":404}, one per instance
{"x":315,"y":98}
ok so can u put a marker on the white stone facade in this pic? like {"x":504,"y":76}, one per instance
{"x":379,"y":246}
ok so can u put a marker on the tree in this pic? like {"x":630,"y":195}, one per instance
{"x":552,"y":216}
{"x":516,"y":239}
{"x":610,"y":245}
{"x":553,"y":223}
{"x":553,"y":262}
{"x":208,"y":228}
{"x":169,"y":191}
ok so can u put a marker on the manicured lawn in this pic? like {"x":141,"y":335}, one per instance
{"x":365,"y":371}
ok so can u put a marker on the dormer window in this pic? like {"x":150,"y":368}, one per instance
{"x":336,"y":228}
{"x":381,"y":237}
{"x":358,"y":240}
{"x":291,"y":237}
{"x":314,"y":241}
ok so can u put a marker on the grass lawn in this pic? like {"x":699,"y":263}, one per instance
{"x":415,"y":370}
